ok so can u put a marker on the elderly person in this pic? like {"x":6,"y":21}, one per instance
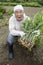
{"x":15,"y":27}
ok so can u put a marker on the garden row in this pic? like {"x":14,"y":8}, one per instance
{"x":3,"y":11}
{"x":32,"y":4}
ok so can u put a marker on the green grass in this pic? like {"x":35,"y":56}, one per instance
{"x":32,"y":4}
{"x":10,"y":12}
{"x":2,"y":11}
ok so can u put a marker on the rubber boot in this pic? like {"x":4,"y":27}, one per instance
{"x":11,"y":53}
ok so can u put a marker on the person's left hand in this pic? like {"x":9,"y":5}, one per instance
{"x":22,"y":34}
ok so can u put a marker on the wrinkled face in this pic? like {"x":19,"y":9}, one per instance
{"x":19,"y":15}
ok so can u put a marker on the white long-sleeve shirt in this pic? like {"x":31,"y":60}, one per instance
{"x":15,"y":27}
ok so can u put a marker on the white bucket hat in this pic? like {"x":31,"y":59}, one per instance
{"x":18,"y":7}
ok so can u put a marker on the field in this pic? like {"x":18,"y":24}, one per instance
{"x":22,"y":55}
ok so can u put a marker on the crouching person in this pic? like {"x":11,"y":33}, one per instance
{"x":15,"y":27}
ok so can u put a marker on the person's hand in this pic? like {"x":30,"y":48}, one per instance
{"x":22,"y":34}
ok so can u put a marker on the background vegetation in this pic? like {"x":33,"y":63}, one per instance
{"x":36,"y":3}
